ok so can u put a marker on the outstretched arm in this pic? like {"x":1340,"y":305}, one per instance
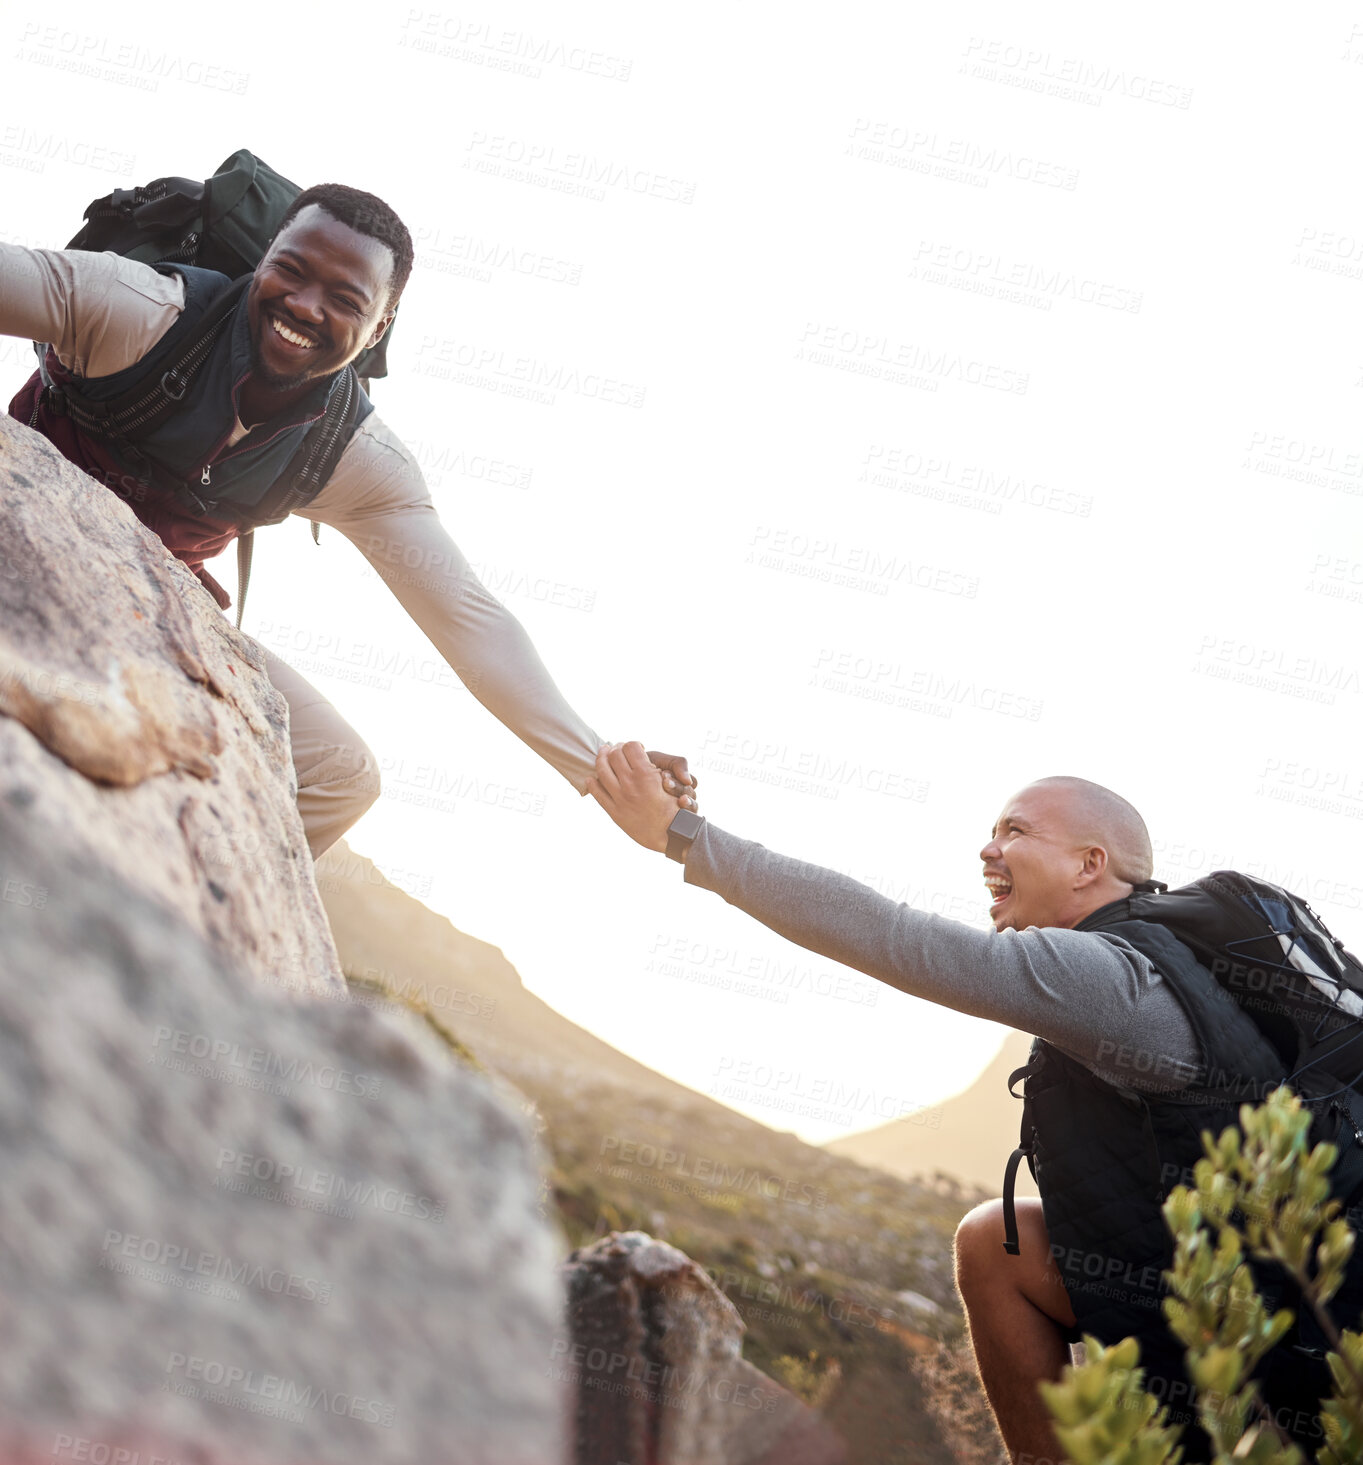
{"x":378,"y":499}
{"x":1089,"y":993}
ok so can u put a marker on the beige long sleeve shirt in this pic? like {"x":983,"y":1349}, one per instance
{"x":101,"y":313}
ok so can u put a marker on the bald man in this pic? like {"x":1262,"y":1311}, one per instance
{"x":1140,"y":1049}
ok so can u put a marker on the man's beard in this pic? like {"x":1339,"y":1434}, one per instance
{"x":274,"y":380}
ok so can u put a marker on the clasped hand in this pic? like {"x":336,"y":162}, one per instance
{"x":642,"y":791}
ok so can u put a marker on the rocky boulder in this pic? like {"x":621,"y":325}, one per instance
{"x":238,"y":1224}
{"x":139,"y":728}
{"x":652,"y":1350}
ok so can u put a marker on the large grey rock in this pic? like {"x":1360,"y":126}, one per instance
{"x":652,"y":1350}
{"x":243,"y":1219}
{"x":141,"y":728}
{"x":236,"y":1227}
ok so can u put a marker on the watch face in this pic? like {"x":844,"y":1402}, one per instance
{"x":683,"y":829}
{"x":685,"y":824}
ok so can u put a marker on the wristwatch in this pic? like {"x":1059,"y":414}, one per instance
{"x":681,"y":832}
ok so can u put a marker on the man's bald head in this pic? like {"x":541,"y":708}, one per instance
{"x":1061,"y":849}
{"x":1098,"y":816}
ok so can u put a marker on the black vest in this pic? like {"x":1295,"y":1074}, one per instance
{"x":192,"y":441}
{"x":1106,"y":1157}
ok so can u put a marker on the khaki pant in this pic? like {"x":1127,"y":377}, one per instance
{"x":338,"y":776}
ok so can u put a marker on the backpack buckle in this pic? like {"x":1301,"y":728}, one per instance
{"x":173,"y":376}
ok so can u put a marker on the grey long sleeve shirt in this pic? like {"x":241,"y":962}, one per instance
{"x":1089,"y":993}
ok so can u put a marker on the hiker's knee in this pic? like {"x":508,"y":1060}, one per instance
{"x":979,"y":1245}
{"x":337,"y":787}
{"x":355,"y":774}
{"x":980,"y":1257}
{"x":985,"y":1271}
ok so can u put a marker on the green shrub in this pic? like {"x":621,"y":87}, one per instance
{"x":1260,"y":1194}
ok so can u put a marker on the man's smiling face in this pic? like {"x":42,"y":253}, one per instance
{"x":1033,"y":862}
{"x":317,"y":299}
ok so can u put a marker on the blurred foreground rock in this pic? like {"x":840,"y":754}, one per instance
{"x":653,"y":1352}
{"x":238,"y":1224}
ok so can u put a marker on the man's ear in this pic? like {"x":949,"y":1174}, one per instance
{"x":1094,"y":866}
{"x":384,"y":322}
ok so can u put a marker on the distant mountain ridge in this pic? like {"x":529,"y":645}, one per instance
{"x":389,"y":938}
{"x":977,"y":1132}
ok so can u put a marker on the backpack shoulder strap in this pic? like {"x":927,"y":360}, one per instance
{"x":144,"y":405}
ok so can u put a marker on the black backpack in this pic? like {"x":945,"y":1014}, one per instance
{"x":225,"y":224}
{"x":1279,"y":961}
{"x":1274,"y":955}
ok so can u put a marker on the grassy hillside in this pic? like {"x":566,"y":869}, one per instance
{"x":841,"y":1273}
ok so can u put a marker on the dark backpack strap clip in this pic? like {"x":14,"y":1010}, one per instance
{"x":1010,"y":1215}
{"x":1029,"y":1070}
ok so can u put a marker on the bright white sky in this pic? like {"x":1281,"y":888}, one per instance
{"x":1150,"y":230}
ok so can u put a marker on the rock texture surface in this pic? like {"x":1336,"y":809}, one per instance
{"x":138,"y":727}
{"x":653,"y":1351}
{"x":242,"y":1228}
{"x":239,"y":1225}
